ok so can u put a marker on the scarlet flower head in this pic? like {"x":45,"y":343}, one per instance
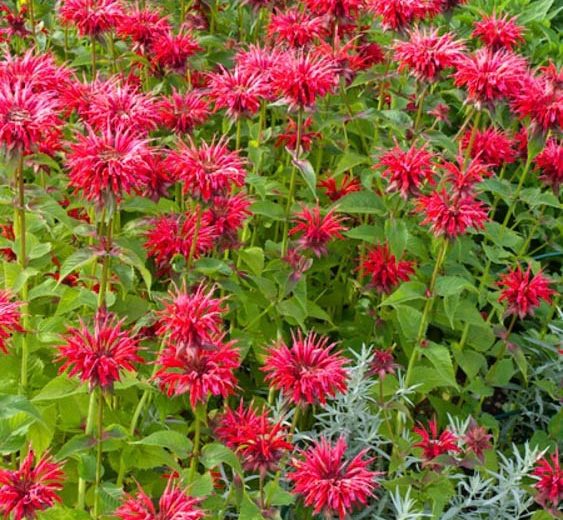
{"x":296,"y":28}
{"x":383,"y":363}
{"x":91,"y":17}
{"x":192,"y":320}
{"x":239,"y":91}
{"x":329,"y":481}
{"x":549,"y":486}
{"x":464,"y":176}
{"x":207,"y":170}
{"x":477,"y":440}
{"x":158,"y":179}
{"x":182,"y":112}
{"x":26,"y":117}
{"x":259,"y":60}
{"x":143,"y":25}
{"x":260,"y":442}
{"x":498,"y":32}
{"x":309,"y":371}
{"x":289,"y":138}
{"x":490,"y":75}
{"x":201,"y":373}
{"x":300,"y":78}
{"x":173,"y":504}
{"x":451,"y":215}
{"x":550,"y":163}
{"x":228,"y":215}
{"x":407,"y":170}
{"x":31,"y":488}
{"x":491,"y":146}
{"x":317,"y":231}
{"x":426,"y":53}
{"x":172,"y":235}
{"x":399,"y":14}
{"x":107,"y":165}
{"x":523,"y":291}
{"x":384,"y":270}
{"x":334,"y":191}
{"x":171,"y":51}
{"x":335,"y":8}
{"x":99,"y":356}
{"x":9,"y":319}
{"x":433,"y":444}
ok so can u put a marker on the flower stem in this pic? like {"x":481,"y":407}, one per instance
{"x":100,"y":428}
{"x":88,"y":431}
{"x":106,"y":265}
{"x":420,"y":110}
{"x":290,"y":195}
{"x":93,"y":51}
{"x":426,"y":312}
{"x":199,"y":410}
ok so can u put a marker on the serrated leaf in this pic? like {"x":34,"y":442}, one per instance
{"x":60,"y":387}
{"x":441,"y":360}
{"x":214,"y":454}
{"x":76,"y":261}
{"x":348,"y":161}
{"x":129,"y":257}
{"x":308,"y":174}
{"x":253,"y":257}
{"x":362,"y":202}
{"x":172,"y":440}
{"x":453,"y":285}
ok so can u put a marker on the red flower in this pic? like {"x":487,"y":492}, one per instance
{"x":550,"y":163}
{"x":207,"y":170}
{"x":330,"y":482}
{"x":228,"y":215}
{"x":192,"y":320}
{"x":200,"y":373}
{"x":91,"y":17}
{"x":398,"y":14}
{"x":31,"y":488}
{"x":301,"y":78}
{"x":550,"y":481}
{"x":172,"y":235}
{"x":107,"y":165}
{"x":308,"y":372}
{"x":406,"y":170}
{"x":384,"y":270}
{"x":174,"y":503}
{"x":498,"y":33}
{"x":239,"y":91}
{"x":451,"y":215}
{"x":9,"y":319}
{"x":317,"y":231}
{"x":370,"y":54}
{"x":143,"y":25}
{"x":122,"y":107}
{"x":383,"y":363}
{"x":434,"y":445}
{"x":289,"y":138}
{"x":158,"y":179}
{"x":98,"y":357}
{"x":426,"y":53}
{"x":296,"y":28}
{"x":257,"y":60}
{"x":541,"y":98}
{"x":171,"y":51}
{"x":335,"y":8}
{"x":477,"y":440}
{"x":183,"y":112}
{"x":491,"y":146}
{"x":524,"y":292}
{"x":348,"y":184}
{"x":16,"y":22}
{"x":260,"y":442}
{"x":298,"y":263}
{"x":463,"y":177}
{"x":26,"y":116}
{"x":490,"y":75}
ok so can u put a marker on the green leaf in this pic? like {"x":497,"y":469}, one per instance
{"x":409,"y":320}
{"x":12,"y":405}
{"x":214,"y":454}
{"x":397,"y":236}
{"x":406,"y":292}
{"x":78,"y":260}
{"x":76,"y":444}
{"x":440,"y":358}
{"x":172,"y":440}
{"x":362,"y":202}
{"x":249,"y":510}
{"x":268,"y":208}
{"x":60,"y":387}
{"x":453,"y":285}
{"x":308,"y":173}
{"x":276,"y":495}
{"x":253,"y":257}
{"x":367,"y":233}
{"x":129,"y":257}
{"x":501,"y":373}
{"x":292,"y":308}
{"x":399,"y":118}
{"x":348,"y":161}
{"x":470,"y":362}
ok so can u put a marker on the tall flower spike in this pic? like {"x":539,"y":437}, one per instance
{"x":384,"y":270}
{"x":207,"y":170}
{"x":192,"y":320}
{"x":201,"y":374}
{"x":451,"y":215}
{"x":307,"y":373}
{"x":173,"y":504}
{"x":9,"y":319}
{"x":330,"y":482}
{"x":31,"y":488}
{"x":426,"y":53}
{"x":523,"y":292}
{"x":99,"y":356}
{"x":317,"y":231}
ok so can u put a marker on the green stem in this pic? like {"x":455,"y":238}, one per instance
{"x":99,"y":446}
{"x":237,"y":139}
{"x":201,"y":409}
{"x":93,"y":51}
{"x":88,"y":431}
{"x":104,"y":282}
{"x":193,"y":245}
{"x":420,"y":109}
{"x":426,"y":312}
{"x":530,"y":236}
{"x":472,"y":138}
{"x":290,"y":195}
